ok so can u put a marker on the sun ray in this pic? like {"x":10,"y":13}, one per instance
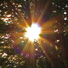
{"x":29,"y":48}
{"x":46,"y":55}
{"x":47,"y":32}
{"x":47,"y":24}
{"x":45,"y":7}
{"x":46,"y":41}
{"x":32,"y":10}
{"x":32,"y":49}
{"x":23,"y":19}
{"x":50,"y":22}
{"x":16,"y":42}
{"x":32,"y":55}
{"x":18,"y":34}
{"x":26,"y":47}
{"x":19,"y":24}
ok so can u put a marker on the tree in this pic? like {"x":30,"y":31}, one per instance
{"x":13,"y":17}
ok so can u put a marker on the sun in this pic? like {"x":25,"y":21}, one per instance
{"x":33,"y":32}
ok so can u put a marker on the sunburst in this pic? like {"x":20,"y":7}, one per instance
{"x":34,"y":33}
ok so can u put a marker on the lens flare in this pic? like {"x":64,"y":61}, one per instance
{"x":33,"y":32}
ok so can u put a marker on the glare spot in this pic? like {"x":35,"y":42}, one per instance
{"x":21,"y":37}
{"x":65,"y":12}
{"x":54,"y":11}
{"x":56,"y":47}
{"x":19,"y":5}
{"x":36,"y":49}
{"x":65,"y":18}
{"x":4,"y":55}
{"x":57,"y":41}
{"x":56,"y":30}
{"x":33,"y":32}
{"x":66,"y":6}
